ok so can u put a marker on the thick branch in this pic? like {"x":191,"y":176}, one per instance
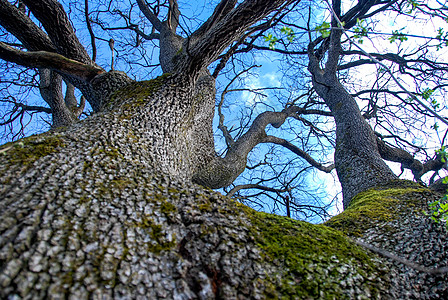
{"x":23,"y":28}
{"x":150,"y":15}
{"x":173,"y":15}
{"x":222,"y":9}
{"x":58,"y":27}
{"x":206,"y":48}
{"x":407,"y":160}
{"x":222,"y":172}
{"x":49,"y":60}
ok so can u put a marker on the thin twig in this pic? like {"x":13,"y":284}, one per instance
{"x":388,"y":70}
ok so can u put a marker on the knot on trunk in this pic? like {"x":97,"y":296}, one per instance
{"x":105,"y":84}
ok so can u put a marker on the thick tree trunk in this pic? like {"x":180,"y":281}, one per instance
{"x":357,"y":159}
{"x":106,"y":209}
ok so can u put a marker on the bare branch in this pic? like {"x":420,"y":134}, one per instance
{"x":150,"y":15}
{"x":388,"y":70}
{"x":23,"y":28}
{"x":89,"y":28}
{"x":173,"y":15}
{"x":407,"y":160}
{"x":254,"y":186}
{"x":58,"y":27}
{"x":221,"y":126}
{"x":205,"y":49}
{"x":43,"y":59}
{"x":299,"y":152}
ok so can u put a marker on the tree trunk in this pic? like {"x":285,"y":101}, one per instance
{"x":357,"y":159}
{"x":106,"y":209}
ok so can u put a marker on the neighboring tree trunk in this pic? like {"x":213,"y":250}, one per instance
{"x":357,"y":159}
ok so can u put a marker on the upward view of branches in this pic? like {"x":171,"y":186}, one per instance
{"x":271,"y":80}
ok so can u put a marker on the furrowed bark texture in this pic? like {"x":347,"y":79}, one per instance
{"x":357,"y":160}
{"x":106,"y":209}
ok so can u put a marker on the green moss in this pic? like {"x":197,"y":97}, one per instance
{"x":139,"y":91}
{"x":112,"y":152}
{"x":159,"y":197}
{"x":205,"y":206}
{"x":314,"y":255}
{"x":155,"y":231}
{"x":168,"y":208}
{"x":374,"y":206}
{"x":30,"y":149}
{"x":114,"y":186}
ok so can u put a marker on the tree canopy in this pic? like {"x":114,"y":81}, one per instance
{"x":400,"y":91}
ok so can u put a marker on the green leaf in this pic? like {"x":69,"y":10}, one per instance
{"x":324,"y":29}
{"x":435,"y":126}
{"x":397,"y":35}
{"x":412,"y":4}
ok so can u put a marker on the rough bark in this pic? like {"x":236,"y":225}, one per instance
{"x":107,"y":209}
{"x":103,"y":210}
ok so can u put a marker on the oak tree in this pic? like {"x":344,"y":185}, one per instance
{"x":116,"y":205}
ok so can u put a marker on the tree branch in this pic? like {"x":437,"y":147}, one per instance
{"x":89,"y":28}
{"x":296,"y":150}
{"x":58,"y":27}
{"x":150,"y":15}
{"x":173,"y":15}
{"x":407,"y":160}
{"x":24,"y":29}
{"x":389,"y":71}
{"x":222,"y":9}
{"x":254,"y":186}
{"x":205,"y":48}
{"x":54,"y":61}
{"x":222,"y":172}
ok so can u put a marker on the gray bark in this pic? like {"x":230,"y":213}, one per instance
{"x":107,"y":208}
{"x":357,"y":159}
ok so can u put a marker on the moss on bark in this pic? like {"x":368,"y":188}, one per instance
{"x":317,"y":260}
{"x":374,"y":206}
{"x":28,"y":150}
